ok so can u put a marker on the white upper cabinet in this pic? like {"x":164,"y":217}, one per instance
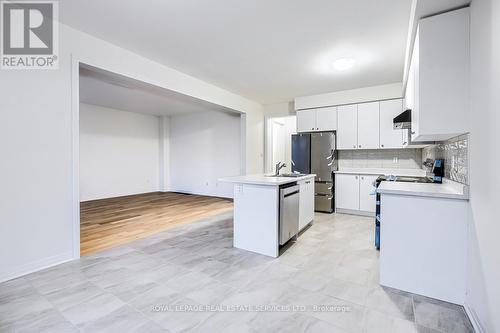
{"x":347,"y":127}
{"x":368,"y":125}
{"x":326,"y":119}
{"x":358,"y":126}
{"x":438,"y":82}
{"x":389,"y":137}
{"x":317,"y":120}
{"x":415,"y":110}
{"x":410,"y":87}
{"x":306,"y":121}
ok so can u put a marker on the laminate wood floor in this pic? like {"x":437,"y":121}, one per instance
{"x":110,"y":222}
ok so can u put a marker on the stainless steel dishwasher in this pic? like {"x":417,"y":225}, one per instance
{"x":289,"y":212}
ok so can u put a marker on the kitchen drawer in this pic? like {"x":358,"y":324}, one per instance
{"x":323,"y":188}
{"x":323,"y":203}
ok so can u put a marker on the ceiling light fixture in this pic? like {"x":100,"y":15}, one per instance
{"x":343,"y":64}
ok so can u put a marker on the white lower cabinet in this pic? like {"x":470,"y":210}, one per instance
{"x":306,"y":202}
{"x":366,"y":196}
{"x":423,"y":245}
{"x":347,"y":191}
{"x":354,"y":192}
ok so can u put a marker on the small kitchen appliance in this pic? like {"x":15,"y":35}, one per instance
{"x":438,"y":171}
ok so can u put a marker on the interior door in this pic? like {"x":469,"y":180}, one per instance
{"x":347,"y":127}
{"x":390,"y":137}
{"x":368,"y":125}
{"x":278,"y":142}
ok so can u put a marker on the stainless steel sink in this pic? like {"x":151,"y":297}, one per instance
{"x":293,"y":175}
{"x":413,"y":179}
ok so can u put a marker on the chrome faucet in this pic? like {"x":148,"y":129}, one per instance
{"x":279,"y":166}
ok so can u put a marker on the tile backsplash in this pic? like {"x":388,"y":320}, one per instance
{"x":455,"y":153}
{"x":386,"y":158}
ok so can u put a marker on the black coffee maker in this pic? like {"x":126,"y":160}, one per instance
{"x":438,"y":171}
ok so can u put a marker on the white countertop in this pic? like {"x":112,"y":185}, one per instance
{"x":261,"y":179}
{"x":386,"y":172}
{"x":448,"y":189}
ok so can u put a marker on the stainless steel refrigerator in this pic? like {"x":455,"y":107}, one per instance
{"x":315,"y":153}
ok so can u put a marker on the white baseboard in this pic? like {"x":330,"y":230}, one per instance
{"x":200,"y":193}
{"x":354,"y":212}
{"x":476,"y":323}
{"x":36,"y":266}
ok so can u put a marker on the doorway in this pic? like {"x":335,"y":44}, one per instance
{"x":279,"y":131}
{"x":129,"y":134}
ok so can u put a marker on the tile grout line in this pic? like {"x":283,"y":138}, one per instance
{"x":54,"y":306}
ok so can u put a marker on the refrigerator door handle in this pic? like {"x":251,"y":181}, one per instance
{"x":332,"y":156}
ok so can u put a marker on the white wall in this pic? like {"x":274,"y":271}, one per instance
{"x":119,"y":153}
{"x":279,"y":109}
{"x":203,"y":148}
{"x":483,"y":280}
{"x":39,"y":187}
{"x":367,"y":94}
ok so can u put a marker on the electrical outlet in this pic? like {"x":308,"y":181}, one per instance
{"x":395,"y":159}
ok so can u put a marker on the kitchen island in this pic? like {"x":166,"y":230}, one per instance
{"x":257,"y":210}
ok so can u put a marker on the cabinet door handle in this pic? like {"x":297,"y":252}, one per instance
{"x":356,"y":177}
{"x":382,"y":146}
{"x":354,"y":146}
{"x":312,"y":129}
{"x":359,"y":146}
{"x":362,"y":177}
{"x":412,"y":132}
{"x":317,"y":128}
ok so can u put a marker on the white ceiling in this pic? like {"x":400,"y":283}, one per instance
{"x":114,"y":91}
{"x":265,"y":50}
